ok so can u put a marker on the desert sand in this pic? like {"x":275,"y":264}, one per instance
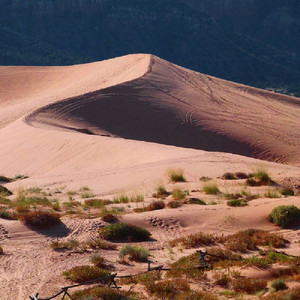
{"x":116,"y":126}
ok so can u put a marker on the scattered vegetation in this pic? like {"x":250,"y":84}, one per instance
{"x":196,"y":201}
{"x":259,"y":177}
{"x":248,"y":285}
{"x":284,"y":215}
{"x":290,"y":294}
{"x":176,"y":175}
{"x":228,"y":176}
{"x":205,"y":178}
{"x":161,"y":192}
{"x":20,"y":177}
{"x":237,"y":202}
{"x":69,"y":245}
{"x":85,"y":273}
{"x":7,"y":214}
{"x":87,"y":195}
{"x":287,"y":192}
{"x":168,"y":289}
{"x":5,"y":179}
{"x":97,"y":203}
{"x":98,"y":261}
{"x":40,"y":219}
{"x":97,"y":293}
{"x":233,"y":176}
{"x":194,"y":240}
{"x":101,"y":244}
{"x":134,"y":253}
{"x":109,"y":218}
{"x":272,"y":194}
{"x":121,"y":231}
{"x":174,"y":204}
{"x":278,"y":285}
{"x":210,"y":189}
{"x":156,"y":205}
{"x":4,"y":191}
{"x":178,"y":194}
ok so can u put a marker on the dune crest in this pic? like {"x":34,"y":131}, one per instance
{"x":168,"y":104}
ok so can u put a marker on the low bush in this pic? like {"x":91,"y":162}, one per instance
{"x":85,"y":273}
{"x":222,"y":279}
{"x":178,"y":194}
{"x":123,"y":231}
{"x":284,"y":215}
{"x":109,"y":218}
{"x":241,"y":175}
{"x":258,"y":178}
{"x":98,"y":261}
{"x":87,"y":195}
{"x":101,"y":244}
{"x":228,"y":176}
{"x":168,"y":289}
{"x":196,"y":201}
{"x":248,"y":285}
{"x":174,"y":204}
{"x":161,"y":192}
{"x":237,"y":202}
{"x":5,"y":179}
{"x":69,"y":245}
{"x":278,"y":285}
{"x":194,"y":240}
{"x":156,"y":205}
{"x":249,"y":239}
{"x":232,"y":176}
{"x":100,"y":293}
{"x":271,"y":194}
{"x":287,"y":192}
{"x":97,"y":203}
{"x":210,"y":189}
{"x":4,"y":191}
{"x":134,"y":253}
{"x":176,"y":175}
{"x":205,"y":178}
{"x":7,"y":214}
{"x":40,"y":219}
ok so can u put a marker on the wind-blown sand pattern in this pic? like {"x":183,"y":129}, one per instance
{"x":118,"y":125}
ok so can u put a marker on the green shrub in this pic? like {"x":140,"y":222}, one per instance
{"x":161,"y":192}
{"x":40,"y":219}
{"x":5,"y":179}
{"x":100,"y":293}
{"x":134,"y":253}
{"x":121,"y":199}
{"x":196,"y":201}
{"x":284,"y":215}
{"x":4,"y":191}
{"x":87,"y":195}
{"x":168,"y":289}
{"x":178,"y":194}
{"x":85,"y":273}
{"x":228,"y":176}
{"x":137,"y":198}
{"x":210,"y":189}
{"x":258,"y":178}
{"x":176,"y":175}
{"x":237,"y":202}
{"x":287,"y":192}
{"x":174,"y":204}
{"x":20,"y":176}
{"x":98,"y":261}
{"x":248,"y":285}
{"x":123,"y":231}
{"x":278,"y":285}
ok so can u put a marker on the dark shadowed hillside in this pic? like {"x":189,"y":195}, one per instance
{"x":249,"y":41}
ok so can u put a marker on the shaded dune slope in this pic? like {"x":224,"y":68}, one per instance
{"x":171,"y":105}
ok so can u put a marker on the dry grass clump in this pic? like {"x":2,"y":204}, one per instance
{"x":156,"y":205}
{"x":249,"y":239}
{"x":69,"y":245}
{"x":98,"y":261}
{"x":87,"y":195}
{"x":101,"y":244}
{"x":284,"y":215}
{"x":100,"y":293}
{"x":97,"y":203}
{"x":109,"y":218}
{"x":7,"y":214}
{"x":4,"y":191}
{"x":85,"y":273}
{"x":237,"y":202}
{"x":194,"y":240}
{"x":142,"y":278}
{"x":124,"y":231}
{"x":290,"y":294}
{"x":186,"y":267}
{"x":176,"y":175}
{"x":259,"y":177}
{"x":174,"y":204}
{"x":134,"y":253}
{"x":248,"y":285}
{"x":178,"y":194}
{"x":40,"y":219}
{"x":161,"y":192}
{"x":272,"y":194}
{"x":211,"y":188}
{"x":168,"y":289}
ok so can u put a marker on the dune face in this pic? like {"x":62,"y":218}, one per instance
{"x":171,"y":105}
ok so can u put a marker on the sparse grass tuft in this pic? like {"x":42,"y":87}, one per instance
{"x":161,"y":192}
{"x":7,"y":214}
{"x":228,"y":176}
{"x":87,"y":195}
{"x":176,"y":175}
{"x":284,"y":215}
{"x":109,"y":218}
{"x":69,"y":245}
{"x":20,"y":176}
{"x":84,"y":188}
{"x":156,"y":205}
{"x":259,"y":177}
{"x":98,"y":261}
{"x":134,"y":253}
{"x":211,"y":188}
{"x":178,"y":194}
{"x":174,"y":204}
{"x":290,"y":294}
{"x":237,"y":202}
{"x":40,"y":219}
{"x":272,"y":194}
{"x":85,"y":273}
{"x":123,"y":231}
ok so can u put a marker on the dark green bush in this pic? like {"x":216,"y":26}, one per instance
{"x":278,"y":285}
{"x":4,"y":191}
{"x":196,"y":201}
{"x":284,"y":215}
{"x":5,"y":179}
{"x":123,"y":231}
{"x":287,"y":192}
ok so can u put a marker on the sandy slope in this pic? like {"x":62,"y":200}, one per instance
{"x":153,"y":107}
